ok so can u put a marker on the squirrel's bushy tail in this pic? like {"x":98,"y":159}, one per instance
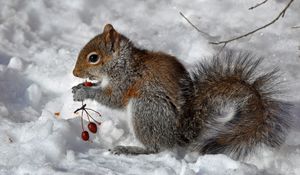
{"x":236,"y":106}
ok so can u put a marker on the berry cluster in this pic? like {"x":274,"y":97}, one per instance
{"x":92,"y":126}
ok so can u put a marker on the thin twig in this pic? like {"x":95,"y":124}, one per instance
{"x":281,"y":14}
{"x":91,"y":117}
{"x":81,"y":108}
{"x":81,"y":118}
{"x":257,"y":5}
{"x":222,"y":48}
{"x":193,"y":24}
{"x":94,"y":111}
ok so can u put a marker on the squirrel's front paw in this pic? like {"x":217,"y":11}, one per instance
{"x":75,"y":88}
{"x":79,"y":93}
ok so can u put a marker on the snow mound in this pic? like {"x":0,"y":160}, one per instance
{"x":40,"y":40}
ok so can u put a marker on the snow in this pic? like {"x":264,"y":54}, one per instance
{"x":34,"y":94}
{"x":39,"y":42}
{"x":15,"y":63}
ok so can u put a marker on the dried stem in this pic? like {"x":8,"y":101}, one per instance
{"x":222,"y":48}
{"x":81,"y":108}
{"x":87,"y":115}
{"x":84,"y":109}
{"x":193,"y":24}
{"x":93,"y":111}
{"x":81,"y":115}
{"x":257,"y":5}
{"x":91,"y":117}
{"x":281,"y":14}
{"x":81,"y":119}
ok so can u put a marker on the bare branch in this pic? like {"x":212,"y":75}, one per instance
{"x":281,"y":14}
{"x":222,"y":48}
{"x":257,"y":5}
{"x":193,"y":24}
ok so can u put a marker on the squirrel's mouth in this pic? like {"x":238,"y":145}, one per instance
{"x":98,"y":81}
{"x":93,"y":80}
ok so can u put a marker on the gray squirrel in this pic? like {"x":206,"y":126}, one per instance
{"x":222,"y":107}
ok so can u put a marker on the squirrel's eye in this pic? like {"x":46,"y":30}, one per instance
{"x":93,"y":58}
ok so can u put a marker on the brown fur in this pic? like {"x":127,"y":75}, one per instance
{"x":245,"y":130}
{"x":108,"y":91}
{"x":162,"y":69}
{"x":132,"y":92}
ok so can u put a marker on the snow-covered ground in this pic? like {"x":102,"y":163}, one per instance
{"x":39,"y":43}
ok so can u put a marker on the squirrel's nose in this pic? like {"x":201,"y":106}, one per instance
{"x":76,"y":73}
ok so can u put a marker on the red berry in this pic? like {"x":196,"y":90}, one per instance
{"x":88,"y":84}
{"x":92,"y":127}
{"x":85,"y":135}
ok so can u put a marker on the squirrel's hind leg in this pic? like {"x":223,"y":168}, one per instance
{"x":133,"y":150}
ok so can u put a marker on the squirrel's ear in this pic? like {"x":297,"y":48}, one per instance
{"x":108,"y":28}
{"x":111,"y":37}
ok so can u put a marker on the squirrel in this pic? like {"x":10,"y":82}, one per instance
{"x":224,"y":106}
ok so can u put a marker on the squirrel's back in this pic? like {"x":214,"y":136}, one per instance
{"x":235,"y":107}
